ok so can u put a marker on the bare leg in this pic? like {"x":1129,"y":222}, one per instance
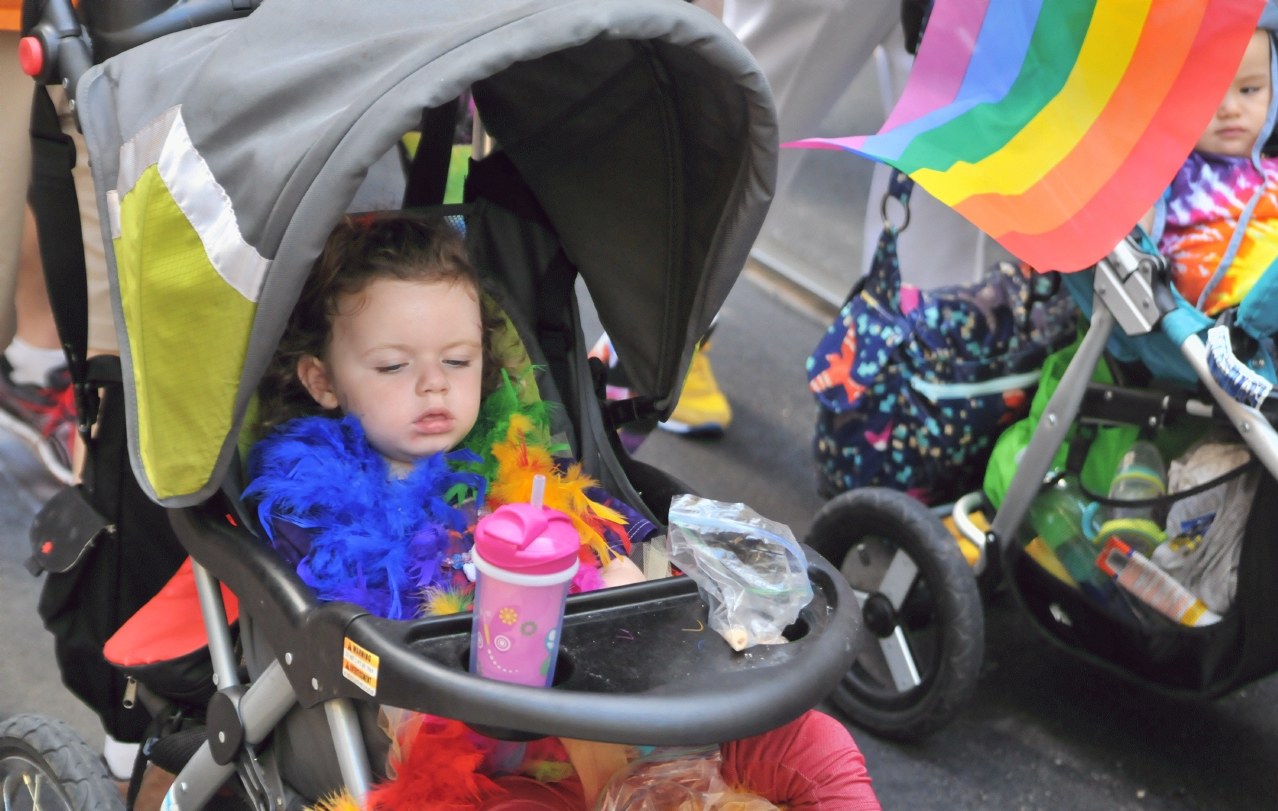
{"x":35,"y":318}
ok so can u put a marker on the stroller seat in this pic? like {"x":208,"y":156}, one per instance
{"x":637,"y":153}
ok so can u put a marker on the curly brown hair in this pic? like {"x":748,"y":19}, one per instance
{"x":359,"y":251}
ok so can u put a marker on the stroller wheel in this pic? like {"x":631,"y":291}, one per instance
{"x":46,"y":766}
{"x":921,"y":609}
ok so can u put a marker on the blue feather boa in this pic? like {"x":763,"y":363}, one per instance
{"x":377,"y":541}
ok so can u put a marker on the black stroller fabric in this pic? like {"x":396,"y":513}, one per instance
{"x":1207,"y":661}
{"x":118,"y":570}
{"x":85,"y":605}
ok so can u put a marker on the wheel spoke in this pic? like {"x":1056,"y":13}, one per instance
{"x":867,"y":562}
{"x":33,"y":788}
{"x":10,"y":788}
{"x":873,"y":662}
{"x":899,"y":578}
{"x":896,"y":650}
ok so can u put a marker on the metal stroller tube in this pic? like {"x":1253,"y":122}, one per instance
{"x":263,"y":705}
{"x":1061,"y":410}
{"x":1251,"y":424}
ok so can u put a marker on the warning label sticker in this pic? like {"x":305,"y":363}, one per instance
{"x":360,"y":666}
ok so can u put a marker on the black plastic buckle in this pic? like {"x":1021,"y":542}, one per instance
{"x":624,"y":412}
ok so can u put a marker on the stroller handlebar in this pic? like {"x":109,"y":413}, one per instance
{"x":66,"y":49}
{"x":637,"y":664}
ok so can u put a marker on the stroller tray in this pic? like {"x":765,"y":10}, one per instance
{"x":637,"y":664}
{"x":630,"y":640}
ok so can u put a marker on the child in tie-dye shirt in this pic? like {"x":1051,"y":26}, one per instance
{"x":1221,"y":179}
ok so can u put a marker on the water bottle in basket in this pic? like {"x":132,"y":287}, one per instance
{"x":1057,"y":518}
{"x":1141,"y":475}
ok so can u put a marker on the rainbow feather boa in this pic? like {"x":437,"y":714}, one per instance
{"x":377,"y":541}
{"x":380,"y":541}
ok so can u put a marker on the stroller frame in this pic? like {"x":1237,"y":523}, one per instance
{"x":658,"y":686}
{"x":1131,"y":291}
{"x":886,"y":543}
{"x":412,"y":674}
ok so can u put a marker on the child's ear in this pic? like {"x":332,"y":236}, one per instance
{"x":314,"y":376}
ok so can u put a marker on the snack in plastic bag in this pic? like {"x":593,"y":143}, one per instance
{"x":676,"y":780}
{"x":752,"y":573}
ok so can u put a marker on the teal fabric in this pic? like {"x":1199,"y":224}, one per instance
{"x":1258,"y":312}
{"x":1159,"y":351}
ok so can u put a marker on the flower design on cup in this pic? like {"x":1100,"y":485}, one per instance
{"x":508,"y":615}
{"x":550,"y":638}
{"x":501,"y":643}
{"x":528,"y":628}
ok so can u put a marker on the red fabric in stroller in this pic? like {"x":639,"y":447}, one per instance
{"x":164,"y":645}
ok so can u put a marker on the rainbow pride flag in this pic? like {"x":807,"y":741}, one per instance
{"x":1053,"y":125}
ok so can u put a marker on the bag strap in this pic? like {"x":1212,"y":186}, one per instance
{"x":428,"y":176}
{"x":57,"y":214}
{"x":883,"y":280}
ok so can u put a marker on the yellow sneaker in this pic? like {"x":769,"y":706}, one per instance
{"x":702,"y":410}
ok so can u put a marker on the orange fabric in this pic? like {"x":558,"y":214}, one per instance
{"x":10,"y":15}
{"x":168,"y":626}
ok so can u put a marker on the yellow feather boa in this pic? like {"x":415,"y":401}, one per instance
{"x":518,"y":461}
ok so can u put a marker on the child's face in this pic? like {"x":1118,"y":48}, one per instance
{"x":1241,"y":116}
{"x":407,"y":359}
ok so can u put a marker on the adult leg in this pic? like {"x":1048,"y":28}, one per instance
{"x":102,"y":336}
{"x":34,"y":322}
{"x":15,"y":173}
{"x":810,"y":764}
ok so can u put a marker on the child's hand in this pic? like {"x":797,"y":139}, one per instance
{"x":621,"y":572}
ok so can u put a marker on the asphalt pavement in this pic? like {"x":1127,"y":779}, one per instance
{"x":1044,"y":730}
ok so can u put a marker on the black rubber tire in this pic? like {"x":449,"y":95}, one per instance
{"x":73,"y":769}
{"x":954,"y":605}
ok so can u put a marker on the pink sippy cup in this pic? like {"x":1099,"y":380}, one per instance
{"x":525,"y":556}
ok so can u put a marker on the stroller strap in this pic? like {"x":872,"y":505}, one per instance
{"x":1170,"y":498}
{"x":428,"y":176}
{"x":57,"y":213}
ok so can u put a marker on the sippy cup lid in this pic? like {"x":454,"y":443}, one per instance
{"x":528,"y":540}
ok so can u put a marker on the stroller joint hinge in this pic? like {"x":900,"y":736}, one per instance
{"x":1125,"y":284}
{"x":225,"y":726}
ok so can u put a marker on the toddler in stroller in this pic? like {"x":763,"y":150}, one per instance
{"x":637,"y":152}
{"x":394,"y":331}
{"x":1179,"y":348}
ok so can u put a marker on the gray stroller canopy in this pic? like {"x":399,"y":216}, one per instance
{"x":224,"y":155}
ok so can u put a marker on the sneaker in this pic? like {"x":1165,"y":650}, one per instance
{"x":702,"y":410}
{"x":43,"y":417}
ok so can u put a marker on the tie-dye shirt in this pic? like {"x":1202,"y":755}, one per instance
{"x":1207,"y":197}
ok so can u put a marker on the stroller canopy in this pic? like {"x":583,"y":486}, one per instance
{"x":224,"y":155}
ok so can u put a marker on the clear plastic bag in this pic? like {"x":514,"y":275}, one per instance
{"x":752,"y":573}
{"x":676,"y":780}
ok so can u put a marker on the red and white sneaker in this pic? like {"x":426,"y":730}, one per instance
{"x":43,"y":417}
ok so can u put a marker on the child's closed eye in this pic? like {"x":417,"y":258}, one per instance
{"x":391,"y":369}
{"x":458,"y":363}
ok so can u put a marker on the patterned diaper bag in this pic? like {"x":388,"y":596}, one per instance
{"x":914,"y":387}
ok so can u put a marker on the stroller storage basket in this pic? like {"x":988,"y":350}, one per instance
{"x":642,"y":667}
{"x":1203,"y":662}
